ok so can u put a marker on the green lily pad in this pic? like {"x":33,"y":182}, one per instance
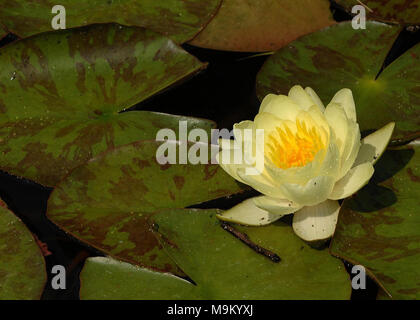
{"x":62,"y":93}
{"x":262,"y":25}
{"x":341,"y":57}
{"x":22,"y":266}
{"x":107,"y":202}
{"x":379,"y":227}
{"x":178,"y":19}
{"x":395,"y":11}
{"x":221,"y":266}
{"x":108,"y":279}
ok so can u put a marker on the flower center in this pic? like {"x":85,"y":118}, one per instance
{"x":294,"y":149}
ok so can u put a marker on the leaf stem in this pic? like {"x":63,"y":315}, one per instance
{"x":245,"y":239}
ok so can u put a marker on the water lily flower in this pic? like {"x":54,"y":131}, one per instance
{"x":312,"y":156}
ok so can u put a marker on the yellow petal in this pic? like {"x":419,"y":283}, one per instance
{"x":315,"y":98}
{"x":299,"y":175}
{"x":345,"y":98}
{"x":315,"y":191}
{"x":267,"y":121}
{"x":246,"y":124}
{"x":317,"y":222}
{"x":338,"y":122}
{"x":374,"y":145}
{"x":261,"y":183}
{"x":247,"y":213}
{"x":330,"y":165}
{"x":280,"y":106}
{"x":350,"y":150}
{"x":354,"y":180}
{"x":301,"y":97}
{"x":226,"y":159}
{"x":318,"y":116}
{"x":267,"y":100}
{"x":276,"y":206}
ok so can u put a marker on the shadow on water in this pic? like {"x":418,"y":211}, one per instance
{"x":28,"y":201}
{"x":373,"y":196}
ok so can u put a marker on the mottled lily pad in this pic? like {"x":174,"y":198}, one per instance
{"x":379,"y":227}
{"x":341,"y":57}
{"x":221,"y":266}
{"x":107,"y":202}
{"x":263,"y":25}
{"x":395,"y":11}
{"x":62,"y":93}
{"x":22,"y":266}
{"x":178,"y":19}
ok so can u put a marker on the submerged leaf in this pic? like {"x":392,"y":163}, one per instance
{"x":263,"y":25}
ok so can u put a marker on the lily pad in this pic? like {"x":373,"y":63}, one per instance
{"x":110,"y":279}
{"x":22,"y":266}
{"x":221,"y":266}
{"x":178,"y":19}
{"x":107,"y":202}
{"x":263,"y":25}
{"x":341,"y":57}
{"x":379,"y":227}
{"x":62,"y":93}
{"x":395,"y":11}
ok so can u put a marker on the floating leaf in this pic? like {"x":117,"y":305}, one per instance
{"x":263,"y":25}
{"x":22,"y":266}
{"x":107,"y":202}
{"x":396,"y":11}
{"x":179,"y":19}
{"x":341,"y":57}
{"x":106,"y":278}
{"x":379,"y":227}
{"x":221,"y":266}
{"x":61,"y":95}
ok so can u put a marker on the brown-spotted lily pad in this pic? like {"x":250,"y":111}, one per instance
{"x":62,"y":93}
{"x":394,"y":11}
{"x":107,"y":202}
{"x":341,"y":57}
{"x":22,"y":266}
{"x":178,"y":19}
{"x":221,"y":266}
{"x":263,"y":25}
{"x":379,"y":227}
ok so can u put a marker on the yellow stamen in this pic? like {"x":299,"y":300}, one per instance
{"x":287,"y":149}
